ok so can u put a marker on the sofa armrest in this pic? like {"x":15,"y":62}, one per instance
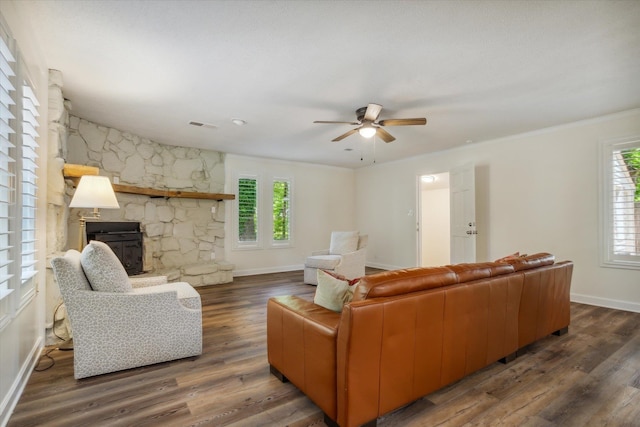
{"x":143,"y":282}
{"x":352,"y":264}
{"x":301,"y":344}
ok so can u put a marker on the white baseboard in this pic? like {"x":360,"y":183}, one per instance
{"x":13,"y":395}
{"x":267,"y":270}
{"x":606,"y":302}
{"x":383,"y":266}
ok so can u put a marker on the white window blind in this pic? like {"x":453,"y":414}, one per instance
{"x":622,"y":203}
{"x":7,"y":165}
{"x":247,"y":210}
{"x":28,"y":182}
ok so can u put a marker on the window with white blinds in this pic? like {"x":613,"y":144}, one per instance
{"x":7,"y":168}
{"x":28,"y":186}
{"x":621,"y":219}
{"x":247,"y":211}
{"x":18,"y":178}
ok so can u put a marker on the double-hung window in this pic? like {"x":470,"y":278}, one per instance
{"x":621,"y":203}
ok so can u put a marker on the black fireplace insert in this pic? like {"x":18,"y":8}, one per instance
{"x":124,"y":238}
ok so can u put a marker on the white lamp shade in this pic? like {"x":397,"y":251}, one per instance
{"x":94,"y":192}
{"x":367,"y":131}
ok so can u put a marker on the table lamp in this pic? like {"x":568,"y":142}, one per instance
{"x":95,"y":192}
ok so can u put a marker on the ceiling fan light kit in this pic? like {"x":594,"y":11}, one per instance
{"x":368,"y":124}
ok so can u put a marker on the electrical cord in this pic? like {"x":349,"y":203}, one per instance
{"x":52,"y":349}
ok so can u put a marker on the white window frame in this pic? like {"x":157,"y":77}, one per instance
{"x":289,"y":242}
{"x":608,"y":255}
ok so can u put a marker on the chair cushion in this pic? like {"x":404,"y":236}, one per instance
{"x":325,"y":262}
{"x":187,"y":295}
{"x":103,"y":268}
{"x":333,"y":292}
{"x":343,"y":242}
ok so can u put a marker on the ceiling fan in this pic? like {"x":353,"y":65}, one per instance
{"x":369,"y":125}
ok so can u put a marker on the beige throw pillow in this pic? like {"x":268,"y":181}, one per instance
{"x":333,"y":292}
{"x":103,"y":268}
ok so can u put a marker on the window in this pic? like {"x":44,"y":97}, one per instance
{"x":248,"y":210}
{"x":18,"y":176}
{"x":28,"y":188}
{"x":621,"y":203}
{"x":281,"y":211}
{"x":7,"y":175}
{"x":262,"y":212}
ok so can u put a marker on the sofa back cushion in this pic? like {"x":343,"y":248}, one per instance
{"x":69,"y":273}
{"x":531,"y":261}
{"x":480,"y":270}
{"x":397,"y":282}
{"x":343,"y":242}
{"x":103,"y":268}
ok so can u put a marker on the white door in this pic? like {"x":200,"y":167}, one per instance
{"x":463,"y":214}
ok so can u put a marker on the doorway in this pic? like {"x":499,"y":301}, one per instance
{"x":434,"y":219}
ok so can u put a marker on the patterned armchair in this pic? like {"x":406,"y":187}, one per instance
{"x":120,"y":323}
{"x":346,"y":256}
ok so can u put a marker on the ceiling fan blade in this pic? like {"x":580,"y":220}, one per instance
{"x":344,"y":123}
{"x":372,"y":113}
{"x":403,"y":122}
{"x":384,"y":135}
{"x":344,"y":135}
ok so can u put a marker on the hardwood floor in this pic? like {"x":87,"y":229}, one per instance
{"x":588,"y":377}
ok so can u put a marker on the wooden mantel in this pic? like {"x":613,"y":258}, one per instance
{"x":74,"y":172}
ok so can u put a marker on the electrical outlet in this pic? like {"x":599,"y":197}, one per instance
{"x":213,"y":256}
{"x":213,"y":209}
{"x":116,"y":180}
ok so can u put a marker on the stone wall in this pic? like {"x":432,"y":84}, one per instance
{"x":183,"y":238}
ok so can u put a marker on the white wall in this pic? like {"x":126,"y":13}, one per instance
{"x":536,"y":192}
{"x":22,"y":338}
{"x":324,"y":200}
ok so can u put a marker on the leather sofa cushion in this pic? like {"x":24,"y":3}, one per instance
{"x":397,"y":282}
{"x":531,"y":261}
{"x":476,"y":271}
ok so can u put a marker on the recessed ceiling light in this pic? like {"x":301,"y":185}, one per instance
{"x":238,"y":122}
{"x":469,"y":141}
{"x":428,"y":178}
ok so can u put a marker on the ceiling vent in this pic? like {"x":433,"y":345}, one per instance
{"x":205,"y":125}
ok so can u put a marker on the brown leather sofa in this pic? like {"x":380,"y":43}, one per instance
{"x":407,"y":333}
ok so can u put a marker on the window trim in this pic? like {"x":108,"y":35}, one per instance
{"x":607,"y":257}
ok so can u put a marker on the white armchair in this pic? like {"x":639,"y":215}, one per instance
{"x":346,"y":256}
{"x":136,"y":323}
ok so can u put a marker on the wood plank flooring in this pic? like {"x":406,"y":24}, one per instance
{"x":588,"y":377}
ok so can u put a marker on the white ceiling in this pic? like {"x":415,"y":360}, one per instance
{"x":477,"y":70}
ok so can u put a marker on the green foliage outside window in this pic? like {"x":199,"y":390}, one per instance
{"x":632,"y":160}
{"x":281,"y":217}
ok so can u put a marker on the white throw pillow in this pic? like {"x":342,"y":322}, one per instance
{"x":103,"y":268}
{"x":333,"y":292}
{"x":343,"y":242}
